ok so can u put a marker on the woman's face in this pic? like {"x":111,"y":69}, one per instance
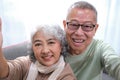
{"x":46,"y":48}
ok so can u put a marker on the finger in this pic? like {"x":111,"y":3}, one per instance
{"x":0,"y":24}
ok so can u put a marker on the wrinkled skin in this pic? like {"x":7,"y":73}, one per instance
{"x":79,"y":40}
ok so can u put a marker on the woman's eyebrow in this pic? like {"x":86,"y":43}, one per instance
{"x":36,"y":41}
{"x":51,"y":39}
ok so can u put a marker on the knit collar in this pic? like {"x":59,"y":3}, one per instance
{"x":56,"y":69}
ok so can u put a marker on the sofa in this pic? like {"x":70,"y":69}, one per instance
{"x":21,"y":49}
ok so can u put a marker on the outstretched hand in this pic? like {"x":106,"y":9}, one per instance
{"x":1,"y":38}
{"x":3,"y":62}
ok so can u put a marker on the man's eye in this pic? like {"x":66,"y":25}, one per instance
{"x":74,"y":24}
{"x":88,"y":26}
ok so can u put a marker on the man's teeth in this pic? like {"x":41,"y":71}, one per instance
{"x":78,"y":40}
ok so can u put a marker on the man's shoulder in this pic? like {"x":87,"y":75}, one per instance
{"x":99,"y":42}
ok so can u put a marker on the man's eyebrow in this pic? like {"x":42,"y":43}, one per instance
{"x":73,"y":20}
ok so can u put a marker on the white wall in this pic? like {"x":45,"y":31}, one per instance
{"x":20,"y":16}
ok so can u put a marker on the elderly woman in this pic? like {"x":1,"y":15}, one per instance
{"x":46,"y":60}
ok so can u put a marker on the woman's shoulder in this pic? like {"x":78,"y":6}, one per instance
{"x":23,"y":60}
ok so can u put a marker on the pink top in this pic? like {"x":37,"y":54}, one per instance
{"x":19,"y":69}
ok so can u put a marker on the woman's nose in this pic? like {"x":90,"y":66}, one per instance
{"x":45,"y":49}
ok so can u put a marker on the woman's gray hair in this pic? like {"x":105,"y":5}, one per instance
{"x":52,"y":30}
{"x":83,"y":5}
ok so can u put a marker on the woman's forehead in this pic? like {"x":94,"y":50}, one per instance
{"x":41,"y":34}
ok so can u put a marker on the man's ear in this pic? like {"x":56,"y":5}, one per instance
{"x":96,"y":27}
{"x":64,"y":23}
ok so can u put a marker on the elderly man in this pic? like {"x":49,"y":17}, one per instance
{"x":86,"y":55}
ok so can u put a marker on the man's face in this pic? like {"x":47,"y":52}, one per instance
{"x":81,"y":36}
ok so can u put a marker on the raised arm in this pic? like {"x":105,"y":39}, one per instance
{"x":3,"y":61}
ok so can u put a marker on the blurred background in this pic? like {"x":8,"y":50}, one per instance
{"x":19,"y":17}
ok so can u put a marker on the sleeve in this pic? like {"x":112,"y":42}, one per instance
{"x":17,"y":68}
{"x":111,"y":61}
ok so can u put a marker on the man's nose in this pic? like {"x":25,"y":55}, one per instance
{"x":79,"y":31}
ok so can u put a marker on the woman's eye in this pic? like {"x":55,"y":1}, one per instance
{"x":38,"y":44}
{"x":51,"y":42}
